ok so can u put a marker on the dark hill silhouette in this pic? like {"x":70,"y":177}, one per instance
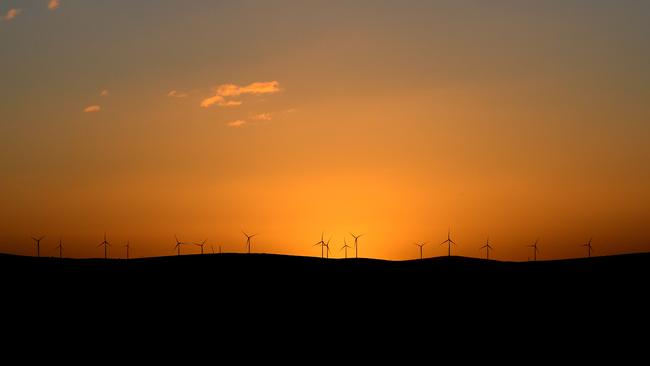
{"x":266,"y":291}
{"x":333,"y":276}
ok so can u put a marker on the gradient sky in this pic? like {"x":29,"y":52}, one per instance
{"x":514,"y":119}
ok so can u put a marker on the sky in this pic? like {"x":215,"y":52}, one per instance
{"x":517,"y":120}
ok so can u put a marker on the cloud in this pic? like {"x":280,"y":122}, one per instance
{"x":104,"y":93}
{"x":176,"y":94}
{"x":220,"y":101}
{"x":262,"y":117}
{"x":232,"y":90}
{"x":92,"y":109}
{"x":12,"y":13}
{"x":237,"y":123}
{"x":264,"y":87}
{"x":291,"y":110}
{"x":207,"y":102}
{"x":53,"y":4}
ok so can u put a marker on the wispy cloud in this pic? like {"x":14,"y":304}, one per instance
{"x":12,"y":13}
{"x":262,"y":117}
{"x":53,"y":4}
{"x":237,"y":123}
{"x":232,"y":90}
{"x":176,"y":94}
{"x":92,"y":109}
{"x":220,"y":101}
{"x":264,"y":87}
{"x":104,"y":93}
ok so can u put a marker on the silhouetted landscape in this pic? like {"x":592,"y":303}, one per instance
{"x":265,"y":272}
{"x":152,"y":151}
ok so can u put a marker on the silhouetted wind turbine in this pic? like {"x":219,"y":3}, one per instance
{"x":421,"y":245}
{"x":106,"y":244}
{"x":535,"y":250}
{"x":38,"y":244}
{"x":322,"y":244}
{"x":487,"y":248}
{"x":328,"y":247}
{"x":127,"y":246}
{"x":449,"y":242}
{"x":356,"y":244}
{"x":201,"y":244}
{"x":345,"y":246}
{"x":178,"y":245}
{"x":212,"y":247}
{"x":60,"y":247}
{"x":248,"y":240}
{"x":589,"y":248}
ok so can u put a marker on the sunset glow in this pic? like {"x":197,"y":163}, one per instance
{"x":400,"y":120}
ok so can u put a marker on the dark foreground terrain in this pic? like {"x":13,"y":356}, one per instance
{"x":272,"y":291}
{"x":293,"y":275}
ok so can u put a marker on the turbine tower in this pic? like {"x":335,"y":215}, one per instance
{"x":212,"y":247}
{"x":421,"y":245}
{"x":589,"y":248}
{"x":60,"y":247}
{"x":127,"y":246}
{"x":535,"y":250}
{"x":487,"y":248}
{"x":248,"y":240}
{"x":449,"y":242}
{"x":37,"y":241}
{"x":106,"y":244}
{"x":356,"y":244}
{"x":345,"y":246}
{"x":202,"y":244}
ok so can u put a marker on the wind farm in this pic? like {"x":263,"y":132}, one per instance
{"x":195,"y":152}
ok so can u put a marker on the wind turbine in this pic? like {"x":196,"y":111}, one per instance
{"x":345,"y":246}
{"x":421,"y":245}
{"x":127,"y":246}
{"x":535,"y":250}
{"x":38,"y":244}
{"x":322,"y":244}
{"x":106,"y":244}
{"x":449,"y":242}
{"x":248,"y":240}
{"x":212,"y":247}
{"x":328,"y":247}
{"x":356,"y":244}
{"x":60,"y":247}
{"x":487,"y":248}
{"x":178,"y":245}
{"x":589,"y":248}
{"x":202,"y":244}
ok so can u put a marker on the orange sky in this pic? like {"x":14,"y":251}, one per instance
{"x":398,"y":120}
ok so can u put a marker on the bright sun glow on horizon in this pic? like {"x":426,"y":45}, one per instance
{"x":512,"y":120}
